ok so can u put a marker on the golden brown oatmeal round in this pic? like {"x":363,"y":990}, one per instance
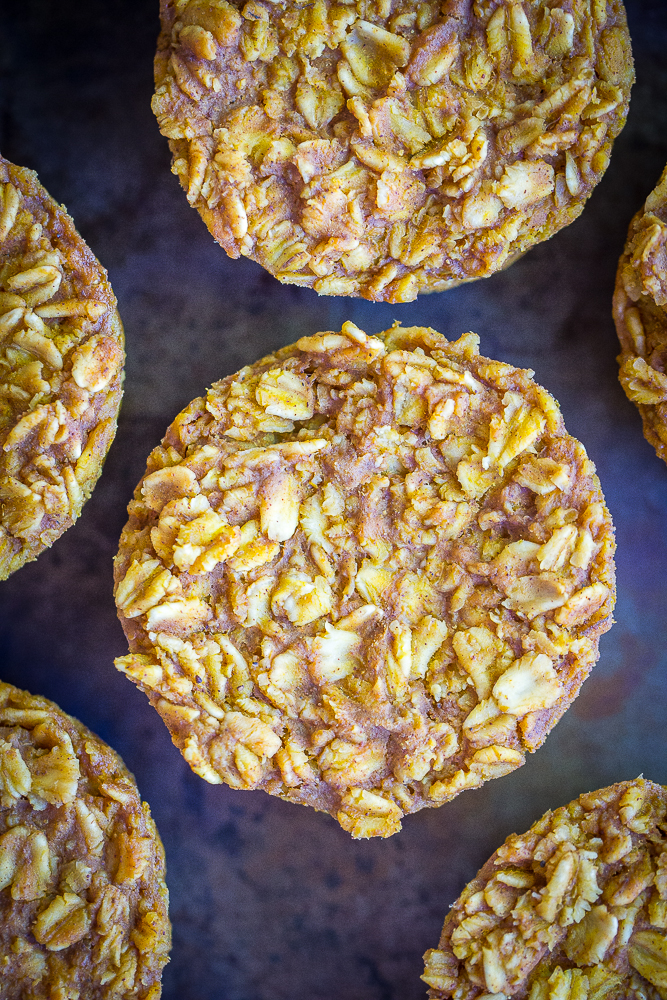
{"x":575,"y":909}
{"x":381,"y":148}
{"x":83,"y":901}
{"x":365,"y":573}
{"x":640,"y":314}
{"x":61,"y":369}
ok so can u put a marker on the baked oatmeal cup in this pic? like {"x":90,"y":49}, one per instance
{"x":382,"y":149}
{"x":574,"y":909}
{"x":365,"y":573}
{"x":83,"y":901}
{"x":640,"y":314}
{"x":61,"y":369}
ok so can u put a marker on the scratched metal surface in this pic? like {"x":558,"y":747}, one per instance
{"x":270,"y":900}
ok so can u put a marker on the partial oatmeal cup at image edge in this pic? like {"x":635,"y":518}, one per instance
{"x":365,"y":573}
{"x":83,"y":899}
{"x":382,"y":149}
{"x":574,"y":909}
{"x":61,"y":369}
{"x":640,"y":314}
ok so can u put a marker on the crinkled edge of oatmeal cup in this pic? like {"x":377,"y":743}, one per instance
{"x":365,"y":574}
{"x":61,"y":368}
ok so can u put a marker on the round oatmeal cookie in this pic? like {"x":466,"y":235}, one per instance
{"x":575,"y":909}
{"x":61,"y":369}
{"x":384,"y":148}
{"x":365,"y":573}
{"x":83,"y":901}
{"x":640,"y":314}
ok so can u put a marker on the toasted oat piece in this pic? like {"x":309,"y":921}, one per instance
{"x":61,"y":369}
{"x":384,"y":148}
{"x":365,"y":573}
{"x":575,"y":909}
{"x":83,"y":902}
{"x":640,"y":314}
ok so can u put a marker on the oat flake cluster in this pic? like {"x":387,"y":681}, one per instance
{"x":83,"y":903}
{"x":365,"y":573}
{"x":61,"y":368}
{"x":640,"y":313}
{"x":381,"y":147}
{"x":575,"y":909}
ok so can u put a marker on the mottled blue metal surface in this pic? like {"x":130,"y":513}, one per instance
{"x":271,"y":901}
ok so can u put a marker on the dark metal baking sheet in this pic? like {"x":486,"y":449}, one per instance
{"x":271,"y":901}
